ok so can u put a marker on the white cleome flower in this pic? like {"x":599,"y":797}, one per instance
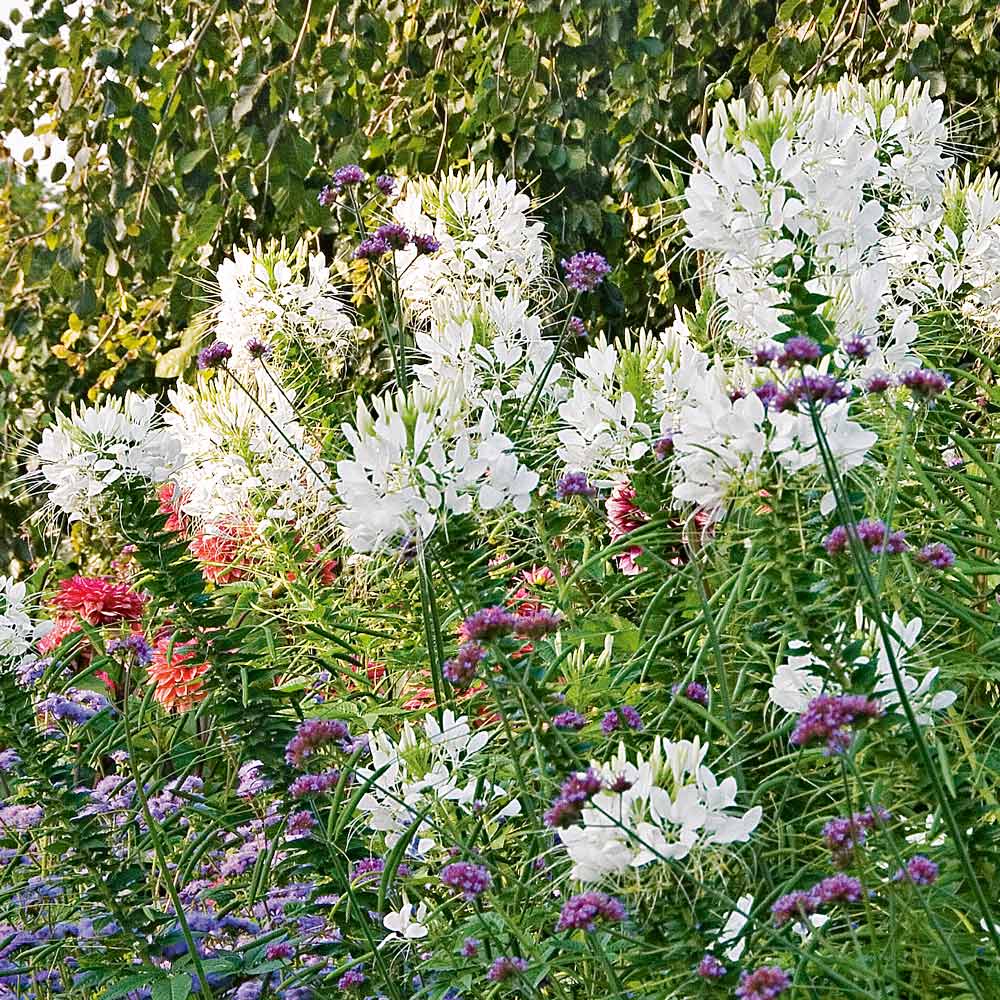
{"x":408,"y":922}
{"x":419,"y":458}
{"x":794,"y":685}
{"x":673,"y":804}
{"x":94,"y":447}
{"x":19,"y":632}
{"x":488,"y":238}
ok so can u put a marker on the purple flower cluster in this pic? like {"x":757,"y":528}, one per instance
{"x":371,"y":249}
{"x":136,"y":645}
{"x":257,"y":348}
{"x":279,"y":950}
{"x":815,"y":389}
{"x":538,"y":623}
{"x":581,"y":912}
{"x":393,"y":236}
{"x":351,"y":979}
{"x":74,"y":705}
{"x":585,"y":271}
{"x":839,"y":888}
{"x":505,"y":967}
{"x":385,"y":184}
{"x":348,"y":176}
{"x":569,"y":720}
{"x":872,"y":533}
{"x":314,"y":784}
{"x":925,"y":383}
{"x":799,"y":351}
{"x":663,"y":447}
{"x":576,"y":790}
{"x":300,"y":824}
{"x":847,"y":833}
{"x":9,"y":761}
{"x":693,"y":691}
{"x":574,"y":484}
{"x":919,"y":871}
{"x":878,"y":383}
{"x":576,"y":326}
{"x":710,"y":968}
{"x":764,"y":983}
{"x":626,"y":715}
{"x":250,"y":779}
{"x":20,"y":817}
{"x":857,"y":347}
{"x":215,"y":355}
{"x":472,"y":880}
{"x":470,"y":948}
{"x":461,"y":671}
{"x":312,"y":735}
{"x":937,"y":555}
{"x":828,"y":719}
{"x":488,"y":623}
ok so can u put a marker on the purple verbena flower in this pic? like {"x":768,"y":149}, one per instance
{"x":538,"y":624}
{"x":371,"y":249}
{"x":279,"y":950}
{"x":215,"y":355}
{"x":693,"y":691}
{"x":857,"y":347}
{"x":348,"y":175}
{"x":300,"y":824}
{"x":472,"y":880}
{"x":576,"y":326}
{"x":488,"y":623}
{"x":251,"y":780}
{"x":799,"y":351}
{"x":9,"y":761}
{"x":625,"y":715}
{"x":136,"y":645}
{"x":710,"y":968}
{"x":766,"y":354}
{"x":576,"y":790}
{"x":764,"y":983}
{"x":663,"y":447}
{"x":839,"y":888}
{"x":919,"y":870}
{"x":385,"y":184}
{"x":569,"y":720}
{"x":312,"y":735}
{"x":581,"y":912}
{"x":314,"y":784}
{"x":395,"y":236}
{"x":351,"y":979}
{"x":847,"y":833}
{"x":796,"y":905}
{"x":925,"y":383}
{"x":461,"y":671}
{"x":828,"y":719}
{"x":505,"y":967}
{"x":426,"y":243}
{"x":470,"y":948}
{"x":879,"y":382}
{"x":574,"y":484}
{"x":585,"y":271}
{"x":327,"y":198}
{"x":768,"y":392}
{"x":257,"y":348}
{"x":938,"y":555}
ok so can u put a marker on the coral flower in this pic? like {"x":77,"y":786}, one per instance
{"x":218,"y":549}
{"x":171,"y":501}
{"x":98,"y":600}
{"x":179,"y":681}
{"x":61,"y":628}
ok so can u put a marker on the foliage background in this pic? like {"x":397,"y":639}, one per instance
{"x":218,"y":121}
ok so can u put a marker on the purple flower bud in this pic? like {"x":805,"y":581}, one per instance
{"x":215,"y":355}
{"x":574,"y":484}
{"x":925,"y":383}
{"x":371,"y":249}
{"x":505,"y":967}
{"x":426,"y":243}
{"x":395,"y":236}
{"x":711,"y":968}
{"x":938,"y":555}
{"x":257,"y":348}
{"x":799,"y":351}
{"x":472,"y":880}
{"x":585,"y":271}
{"x":385,"y":184}
{"x":919,"y":870}
{"x":569,"y":720}
{"x":351,"y":174}
{"x":581,"y":913}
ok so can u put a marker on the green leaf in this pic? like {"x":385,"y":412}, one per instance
{"x":175,"y":988}
{"x":190,"y":160}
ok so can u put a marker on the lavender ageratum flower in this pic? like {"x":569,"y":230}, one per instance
{"x":581,"y":913}
{"x":425,"y":243}
{"x":878,"y":383}
{"x":20,"y":818}
{"x":488,"y":623}
{"x":395,"y":236}
{"x":799,"y":351}
{"x":828,"y":719}
{"x":574,"y":484}
{"x":9,"y":761}
{"x":134,"y":644}
{"x":585,"y":271}
{"x":461,"y":671}
{"x":348,"y":176}
{"x":576,"y":790}
{"x":472,"y":880}
{"x":793,"y":906}
{"x":351,"y":980}
{"x":371,"y":249}
{"x":569,"y":720}
{"x":505,"y":967}
{"x":385,"y":184}
{"x":693,"y":691}
{"x":764,"y":983}
{"x":470,"y":947}
{"x":924,"y":383}
{"x":576,"y":327}
{"x":538,"y":624}
{"x":710,"y":968}
{"x":312,"y":735}
{"x":919,"y":870}
{"x":938,"y":555}
{"x":257,"y":348}
{"x":251,"y":780}
{"x":215,"y":355}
